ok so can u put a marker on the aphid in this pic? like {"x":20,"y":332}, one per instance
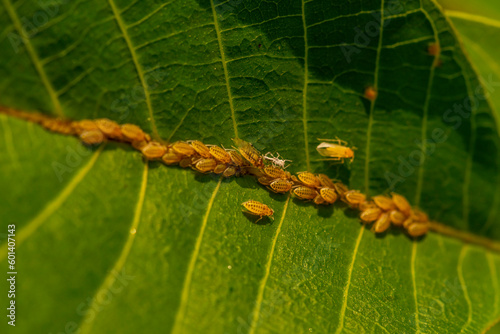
{"x":139,"y":145}
{"x":249,"y":152}
{"x":109,"y":128}
{"x":258,"y":209}
{"x":408,"y":222}
{"x":236,"y":158}
{"x":318,"y":199}
{"x":329,"y":195}
{"x":280,"y":186}
{"x":340,"y":188}
{"x":92,"y":137}
{"x":171,"y":158}
{"x":305,"y":193}
{"x":435,"y":50}
{"x":367,"y":205}
{"x":265,"y":180}
{"x":220,"y":168}
{"x":132,"y":132}
{"x":220,"y":154}
{"x":418,"y":229}
{"x":325,"y":181}
{"x":419,"y":216}
{"x":382,"y":224}
{"x":183,"y":148}
{"x":401,"y":203}
{"x":186,"y":162}
{"x":309,"y":179}
{"x":153,"y":150}
{"x":354,"y":198}
{"x":384,"y":202}
{"x":255,"y":171}
{"x":370,"y":93}
{"x":205,"y":165}
{"x":59,"y":125}
{"x":335,"y":152}
{"x":276,"y":172}
{"x":230,"y":171}
{"x":275,"y":160}
{"x":200,"y":148}
{"x":370,"y":215}
{"x":397,"y":217}
{"x":79,"y":126}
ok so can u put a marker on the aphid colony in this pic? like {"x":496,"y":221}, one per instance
{"x":269,"y":170}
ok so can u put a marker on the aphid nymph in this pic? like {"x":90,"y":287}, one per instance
{"x":258,"y":209}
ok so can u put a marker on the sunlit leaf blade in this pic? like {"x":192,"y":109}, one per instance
{"x":111,"y":238}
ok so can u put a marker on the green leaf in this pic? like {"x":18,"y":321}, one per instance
{"x":103,"y":237}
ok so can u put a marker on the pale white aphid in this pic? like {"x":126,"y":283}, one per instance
{"x":276,"y":161}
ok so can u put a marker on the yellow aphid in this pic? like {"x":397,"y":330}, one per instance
{"x":220,"y":168}
{"x":367,"y":205}
{"x":237,"y":158}
{"x":384,"y":202}
{"x":335,"y":152}
{"x":319,"y":200}
{"x":220,"y":154}
{"x":186,"y":162}
{"x":419,"y":216}
{"x":408,"y":222}
{"x":183,"y":148}
{"x":309,"y":179}
{"x":305,"y":192}
{"x":329,"y":195}
{"x":382,"y":224}
{"x":171,"y":158}
{"x":230,"y":171}
{"x":92,"y":137}
{"x":154,"y":150}
{"x":79,"y":126}
{"x":397,"y":217}
{"x":60,"y":126}
{"x":418,"y":229}
{"x":200,"y":148}
{"x":205,"y":165}
{"x":280,"y":186}
{"x":258,"y":209}
{"x":340,"y":188}
{"x":276,"y":173}
{"x":255,"y":171}
{"x":401,"y":203}
{"x":250,"y":153}
{"x":265,"y":180}
{"x":132,"y":132}
{"x":139,"y":145}
{"x":109,"y":128}
{"x":354,"y":198}
{"x":370,"y":215}
{"x":325,"y":181}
